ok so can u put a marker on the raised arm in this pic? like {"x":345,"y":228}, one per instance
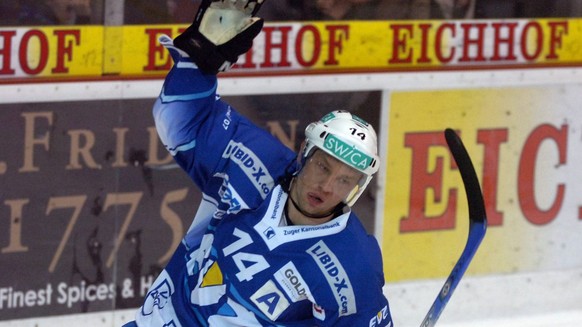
{"x":188,"y":106}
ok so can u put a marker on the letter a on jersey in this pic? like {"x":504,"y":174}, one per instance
{"x":270,"y":300}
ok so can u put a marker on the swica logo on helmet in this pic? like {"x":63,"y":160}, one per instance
{"x":348,"y":154}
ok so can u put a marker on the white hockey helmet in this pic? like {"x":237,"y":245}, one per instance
{"x":349,"y":139}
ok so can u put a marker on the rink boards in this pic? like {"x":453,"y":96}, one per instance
{"x":86,"y":187}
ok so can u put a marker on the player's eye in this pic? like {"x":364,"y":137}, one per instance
{"x":321,"y":166}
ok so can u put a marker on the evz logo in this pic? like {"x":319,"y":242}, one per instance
{"x":380,"y":317}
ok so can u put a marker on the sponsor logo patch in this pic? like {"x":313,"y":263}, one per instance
{"x":251,"y":165}
{"x":347,"y":153}
{"x":336,"y":277}
{"x":292,"y":283}
{"x":230,"y":196}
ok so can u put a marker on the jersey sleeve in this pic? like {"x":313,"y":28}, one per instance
{"x":184,"y":113}
{"x":228,"y":157}
{"x":353,"y":294}
{"x":372,"y":307}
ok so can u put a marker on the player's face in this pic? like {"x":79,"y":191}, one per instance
{"x":323,"y":183}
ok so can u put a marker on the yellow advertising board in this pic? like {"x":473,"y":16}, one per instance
{"x":51,"y":52}
{"x":95,"y":52}
{"x":526,"y":147}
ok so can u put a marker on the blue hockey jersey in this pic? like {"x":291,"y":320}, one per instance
{"x":239,"y":263}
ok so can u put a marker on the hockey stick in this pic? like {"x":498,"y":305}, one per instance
{"x":477,"y":226}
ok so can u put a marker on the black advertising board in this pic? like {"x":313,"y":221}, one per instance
{"x":92,"y":206}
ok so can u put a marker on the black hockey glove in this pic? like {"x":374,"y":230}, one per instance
{"x":222,"y":31}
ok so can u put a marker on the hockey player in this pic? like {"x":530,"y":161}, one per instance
{"x":274,"y":242}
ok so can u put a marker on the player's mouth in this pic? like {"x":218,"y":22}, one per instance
{"x":314,"y":200}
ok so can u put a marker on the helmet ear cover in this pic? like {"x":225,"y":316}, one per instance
{"x":349,"y":139}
